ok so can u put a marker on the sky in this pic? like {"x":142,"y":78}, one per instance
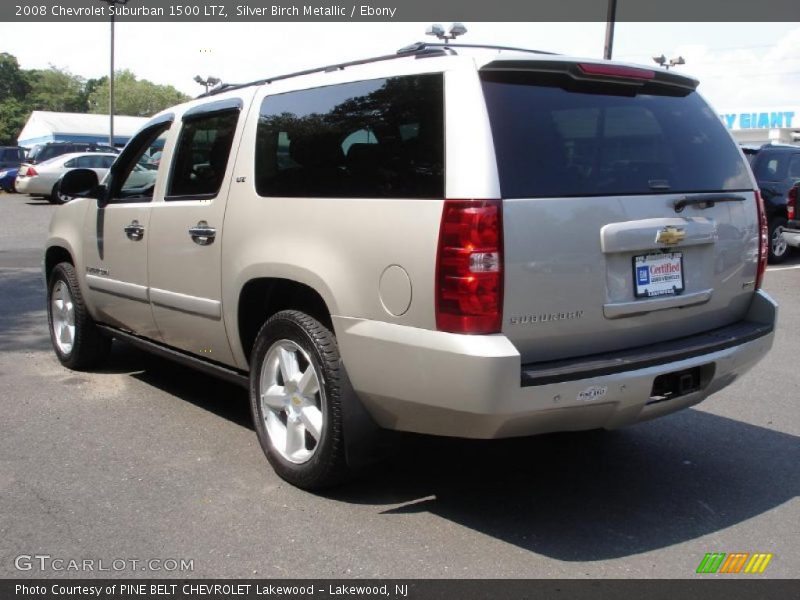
{"x":741,"y":66}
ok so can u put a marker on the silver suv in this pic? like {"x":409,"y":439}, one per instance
{"x":454,"y":241}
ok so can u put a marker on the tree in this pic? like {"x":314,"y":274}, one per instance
{"x":13,"y":115}
{"x":13,"y":91}
{"x":56,"y":89}
{"x":12,"y":79}
{"x":135,"y":97}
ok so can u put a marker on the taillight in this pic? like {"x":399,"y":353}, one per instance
{"x":763,"y":240}
{"x":469,"y":267}
{"x":30,"y":172}
{"x":791,"y":205}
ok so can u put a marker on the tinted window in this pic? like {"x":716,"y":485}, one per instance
{"x":95,"y":162}
{"x":72,"y":163}
{"x":382,"y":138}
{"x":202,"y":155}
{"x":772,"y":166}
{"x":553,"y":142}
{"x":11,"y":155}
{"x":794,"y":167}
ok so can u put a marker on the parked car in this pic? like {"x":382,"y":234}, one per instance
{"x":777,"y":170}
{"x":485,"y":243}
{"x":48,"y":150}
{"x":43,"y":179}
{"x":11,"y":157}
{"x":7,"y":178}
{"x":791,"y":233}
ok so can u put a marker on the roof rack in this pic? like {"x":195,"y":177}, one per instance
{"x":419,"y":49}
{"x":422,"y":46}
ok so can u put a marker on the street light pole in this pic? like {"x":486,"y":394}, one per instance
{"x":111,"y":86}
{"x":610,"y":20}
{"x":207,"y":82}
{"x":111,"y":4}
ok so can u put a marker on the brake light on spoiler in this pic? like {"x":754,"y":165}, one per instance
{"x":616,"y":71}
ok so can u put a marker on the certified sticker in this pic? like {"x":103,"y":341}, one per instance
{"x":593,"y":393}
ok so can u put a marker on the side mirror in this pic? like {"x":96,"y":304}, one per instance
{"x":83,"y":183}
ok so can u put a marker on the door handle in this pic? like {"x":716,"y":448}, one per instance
{"x":134,"y":231}
{"x":202,"y":234}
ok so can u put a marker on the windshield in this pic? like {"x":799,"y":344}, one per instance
{"x":550,"y":141}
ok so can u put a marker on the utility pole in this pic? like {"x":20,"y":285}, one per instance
{"x":611,"y":18}
{"x":111,"y":5}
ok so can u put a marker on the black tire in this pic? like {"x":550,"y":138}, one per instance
{"x":56,"y":197}
{"x":89,"y":347}
{"x":327,"y":465}
{"x":778,"y":250}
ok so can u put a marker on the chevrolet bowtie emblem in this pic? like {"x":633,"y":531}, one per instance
{"x":670,"y":235}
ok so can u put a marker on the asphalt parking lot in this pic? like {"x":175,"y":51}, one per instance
{"x":148,"y":460}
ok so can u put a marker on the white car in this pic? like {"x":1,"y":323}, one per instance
{"x":44,"y":178}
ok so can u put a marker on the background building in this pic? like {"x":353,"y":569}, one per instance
{"x":43,"y":126}
{"x":759,"y":126}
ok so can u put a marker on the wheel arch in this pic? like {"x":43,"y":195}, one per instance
{"x":261,"y":297}
{"x":56,"y":253}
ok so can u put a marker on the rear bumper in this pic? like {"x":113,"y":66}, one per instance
{"x":791,"y":234}
{"x":21,"y":183}
{"x":472,"y":386}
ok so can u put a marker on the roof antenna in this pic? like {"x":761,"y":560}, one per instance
{"x":456,"y":29}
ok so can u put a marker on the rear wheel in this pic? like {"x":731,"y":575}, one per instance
{"x":778,"y":248}
{"x":56,"y":197}
{"x":296,"y":400}
{"x":76,"y":339}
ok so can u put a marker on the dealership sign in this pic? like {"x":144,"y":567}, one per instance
{"x":775,"y":118}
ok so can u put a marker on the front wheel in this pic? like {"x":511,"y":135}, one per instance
{"x":76,"y":339}
{"x":296,"y":400}
{"x":778,"y":248}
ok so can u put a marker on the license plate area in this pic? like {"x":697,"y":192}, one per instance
{"x":658,"y":274}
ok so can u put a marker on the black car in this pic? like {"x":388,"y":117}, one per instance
{"x":49,"y":150}
{"x":777,"y":170}
{"x":11,"y":157}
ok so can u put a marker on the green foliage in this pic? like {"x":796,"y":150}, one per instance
{"x":13,"y":90}
{"x":55,"y":89}
{"x":135,"y":97}
{"x":13,"y":115}
{"x":12,"y":79}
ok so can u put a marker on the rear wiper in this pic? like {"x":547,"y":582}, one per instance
{"x":705,"y":200}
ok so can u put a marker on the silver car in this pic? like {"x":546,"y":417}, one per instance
{"x":482,"y":243}
{"x":44,"y":178}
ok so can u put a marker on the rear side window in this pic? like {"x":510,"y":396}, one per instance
{"x":551,"y":142}
{"x":382,"y":138}
{"x":794,"y":167}
{"x":11,"y":155}
{"x":201,"y":156}
{"x":772,"y":166}
{"x":95,"y":162}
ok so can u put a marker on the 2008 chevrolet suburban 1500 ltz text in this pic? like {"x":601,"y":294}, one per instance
{"x":454,"y":241}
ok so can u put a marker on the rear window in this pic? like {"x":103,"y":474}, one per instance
{"x":11,"y":154}
{"x":382,"y":138}
{"x":551,"y":142}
